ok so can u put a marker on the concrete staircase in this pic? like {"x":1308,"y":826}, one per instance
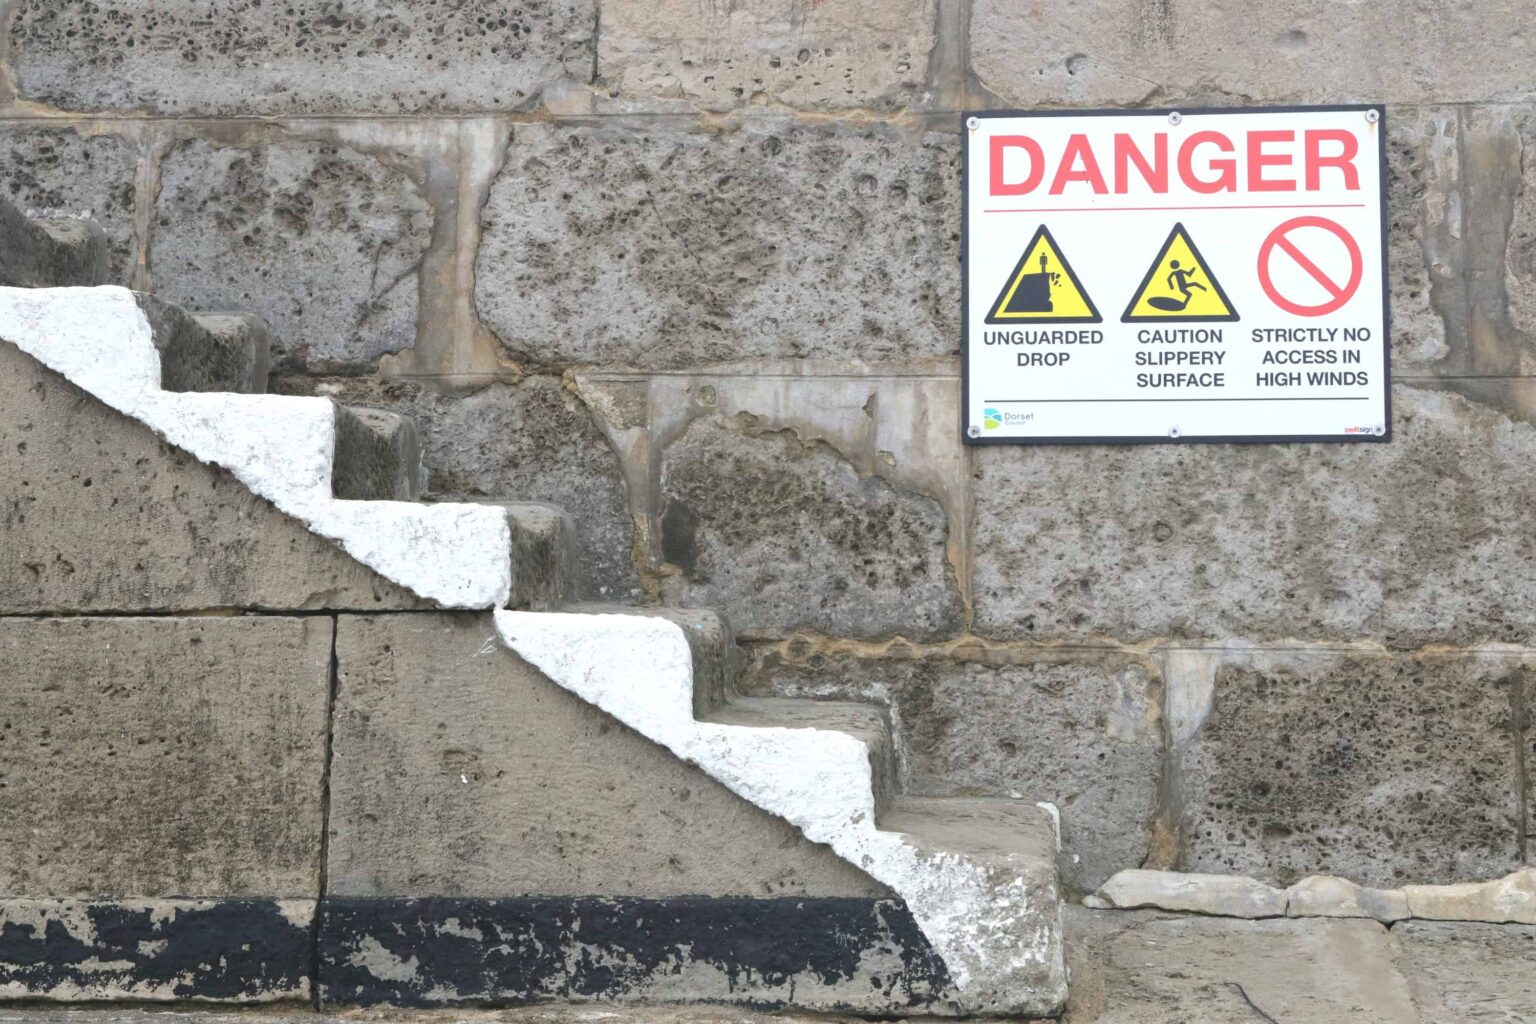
{"x":978,"y":875}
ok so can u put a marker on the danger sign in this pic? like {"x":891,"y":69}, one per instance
{"x":1245,"y":248}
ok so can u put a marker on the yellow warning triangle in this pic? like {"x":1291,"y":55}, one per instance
{"x":1043,"y":289}
{"x":1179,"y":286}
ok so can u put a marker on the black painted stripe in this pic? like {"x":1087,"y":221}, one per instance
{"x":832,"y":953}
{"x":236,"y":950}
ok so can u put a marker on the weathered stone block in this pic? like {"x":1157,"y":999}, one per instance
{"x":460,"y":771}
{"x":1407,"y":543}
{"x":779,"y":531}
{"x":1426,"y":240}
{"x":532,"y":441}
{"x":226,"y":951}
{"x":100,"y":515}
{"x":322,"y":241}
{"x":1144,"y":968}
{"x":867,"y":53}
{"x":1214,"y":52}
{"x":1469,"y":972}
{"x":1082,"y":731}
{"x":377,"y":455}
{"x":376,"y":56}
{"x":660,"y":247}
{"x":1507,"y":900}
{"x":1381,"y":769}
{"x":1218,"y":895}
{"x":61,"y":170}
{"x":163,"y":757}
{"x":1327,"y":896}
{"x":61,"y":252}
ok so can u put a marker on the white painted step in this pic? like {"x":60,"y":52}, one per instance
{"x":280,"y":447}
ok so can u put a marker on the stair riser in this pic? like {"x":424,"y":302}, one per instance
{"x":50,"y":253}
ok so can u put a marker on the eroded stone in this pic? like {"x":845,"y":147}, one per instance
{"x":312,"y":56}
{"x":163,"y":757}
{"x":461,"y":771}
{"x":66,"y":171}
{"x":1080,"y":731}
{"x":867,"y":53}
{"x":323,"y":242}
{"x":781,"y":533}
{"x":1380,"y":769}
{"x":661,"y":247}
{"x":1469,"y":972}
{"x":1215,"y":52}
{"x":1426,"y":239}
{"x":1405,"y":543}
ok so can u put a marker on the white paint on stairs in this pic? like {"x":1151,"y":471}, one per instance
{"x":280,"y":447}
{"x":983,"y":921}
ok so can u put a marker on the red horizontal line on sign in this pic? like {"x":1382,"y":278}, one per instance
{"x":1134,"y":209}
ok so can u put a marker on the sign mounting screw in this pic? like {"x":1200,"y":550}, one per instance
{"x":1173,"y":432}
{"x":1373,"y":116}
{"x":1378,"y":430}
{"x":973,"y":123}
{"x":1174,"y":117}
{"x":973,"y":430}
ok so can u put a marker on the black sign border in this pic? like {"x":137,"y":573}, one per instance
{"x":965,"y":288}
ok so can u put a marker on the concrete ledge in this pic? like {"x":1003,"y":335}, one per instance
{"x":833,"y":953}
{"x":237,"y":951}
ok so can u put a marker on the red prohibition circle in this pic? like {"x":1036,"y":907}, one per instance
{"x":1341,"y":293}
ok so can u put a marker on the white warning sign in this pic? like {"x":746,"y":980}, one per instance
{"x":1245,"y":248}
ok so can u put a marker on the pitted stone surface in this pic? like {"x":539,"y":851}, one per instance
{"x":1406,"y":543}
{"x":163,"y":757}
{"x":312,"y":56}
{"x":530,"y":441}
{"x":1226,"y":52}
{"x":661,"y":247}
{"x":1520,"y":254}
{"x":323,"y":242}
{"x":461,"y":771}
{"x":1426,"y":242}
{"x":1080,"y":731}
{"x":62,"y":170}
{"x":780,"y":534}
{"x":1383,"y":770}
{"x":863,"y":53}
{"x":84,"y":525}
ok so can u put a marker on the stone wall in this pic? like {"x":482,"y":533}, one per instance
{"x":693,"y":273}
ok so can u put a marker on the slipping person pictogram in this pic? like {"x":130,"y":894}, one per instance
{"x":1043,"y":288}
{"x":1180,"y":286}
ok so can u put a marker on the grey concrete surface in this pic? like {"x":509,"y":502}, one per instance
{"x":60,"y":169}
{"x":662,"y":246}
{"x":460,"y":771}
{"x":868,"y":54}
{"x":1225,"y":52}
{"x":100,"y":515}
{"x":1081,"y":730}
{"x":380,"y":56}
{"x":1401,"y":544}
{"x":1384,"y":770}
{"x":321,"y":240}
{"x":163,"y":757}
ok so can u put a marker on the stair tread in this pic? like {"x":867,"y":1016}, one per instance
{"x":984,"y":828}
{"x":802,"y":713}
